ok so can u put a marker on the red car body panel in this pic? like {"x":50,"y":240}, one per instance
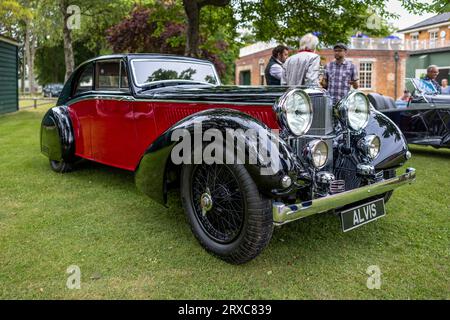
{"x":117,"y":133}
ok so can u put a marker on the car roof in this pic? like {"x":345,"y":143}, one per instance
{"x":146,"y":55}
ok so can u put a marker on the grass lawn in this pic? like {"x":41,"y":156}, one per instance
{"x":127,"y":246}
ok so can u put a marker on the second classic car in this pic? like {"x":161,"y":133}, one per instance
{"x":138,"y":112}
{"x":425,"y":120}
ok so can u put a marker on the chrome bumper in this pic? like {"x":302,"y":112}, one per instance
{"x":283,"y":213}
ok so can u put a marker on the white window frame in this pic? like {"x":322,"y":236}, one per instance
{"x":434,"y":35}
{"x":362,"y":71}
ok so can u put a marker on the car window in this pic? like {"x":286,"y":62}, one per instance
{"x":107,"y":75}
{"x":85,"y":80}
{"x":111,"y":76}
{"x":147,"y":71}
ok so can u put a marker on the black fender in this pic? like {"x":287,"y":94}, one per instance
{"x":445,"y":141}
{"x":394,"y":147}
{"x":151,"y":175}
{"x":57,"y":137}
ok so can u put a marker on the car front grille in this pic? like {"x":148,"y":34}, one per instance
{"x":322,"y":123}
{"x":346,"y":170}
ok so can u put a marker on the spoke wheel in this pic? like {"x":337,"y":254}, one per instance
{"x":228,"y":215}
{"x":218,"y":202}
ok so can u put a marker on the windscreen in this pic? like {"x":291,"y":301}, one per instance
{"x":148,"y":71}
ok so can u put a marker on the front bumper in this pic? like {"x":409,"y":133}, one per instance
{"x":283,"y":213}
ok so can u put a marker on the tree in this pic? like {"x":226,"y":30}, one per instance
{"x":152,"y":29}
{"x":334,"y":20}
{"x":67,"y":36}
{"x":162,"y":28}
{"x":12,"y":13}
{"x":50,"y":64}
{"x":15,"y":22}
{"x":192,"y":9}
{"x":75,"y":19}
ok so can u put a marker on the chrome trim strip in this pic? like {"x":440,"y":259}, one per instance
{"x":283,"y":213}
{"x":131,"y":98}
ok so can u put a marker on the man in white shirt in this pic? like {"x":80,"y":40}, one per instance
{"x":274,"y":67}
{"x":303,"y":67}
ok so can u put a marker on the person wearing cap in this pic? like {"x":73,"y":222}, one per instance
{"x":303,"y":67}
{"x":340,"y":74}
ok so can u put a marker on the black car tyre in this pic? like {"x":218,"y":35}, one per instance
{"x":227,"y":213}
{"x":387,"y":196}
{"x":61,"y":166}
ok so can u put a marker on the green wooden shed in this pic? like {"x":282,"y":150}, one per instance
{"x":9,"y":73}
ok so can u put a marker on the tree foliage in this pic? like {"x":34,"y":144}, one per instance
{"x":161,"y":28}
{"x":148,"y":30}
{"x":334,"y":20}
{"x":50,"y":64}
{"x":193,"y":8}
{"x":203,"y":28}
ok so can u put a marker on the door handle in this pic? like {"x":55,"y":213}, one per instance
{"x":126,"y":98}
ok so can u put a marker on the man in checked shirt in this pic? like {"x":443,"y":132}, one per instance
{"x":340,"y":74}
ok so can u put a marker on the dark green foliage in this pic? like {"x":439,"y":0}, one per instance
{"x":162,"y":29}
{"x":49,"y":64}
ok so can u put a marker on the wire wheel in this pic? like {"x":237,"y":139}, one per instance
{"x":218,"y":201}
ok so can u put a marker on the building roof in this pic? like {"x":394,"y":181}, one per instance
{"x":257,"y":47}
{"x":440,"y":18}
{"x":9,"y":40}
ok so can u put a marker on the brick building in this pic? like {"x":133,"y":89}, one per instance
{"x":428,"y":43}
{"x":381,"y":64}
{"x":430,"y":33}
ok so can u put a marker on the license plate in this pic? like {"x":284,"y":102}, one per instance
{"x":365,"y":213}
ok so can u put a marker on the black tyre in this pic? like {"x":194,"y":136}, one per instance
{"x":227,"y":213}
{"x":387,"y":196}
{"x":61,"y":166}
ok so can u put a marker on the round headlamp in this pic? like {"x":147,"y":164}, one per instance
{"x":294,"y":111}
{"x":317,"y":153}
{"x":355,"y":109}
{"x":370,"y":146}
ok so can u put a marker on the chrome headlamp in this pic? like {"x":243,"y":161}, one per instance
{"x":316,"y":152}
{"x":355,"y":110}
{"x":370,"y":146}
{"x":294,"y":111}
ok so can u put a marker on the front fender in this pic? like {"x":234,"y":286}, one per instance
{"x":393,"y":143}
{"x":57,"y":138}
{"x":152,"y":172}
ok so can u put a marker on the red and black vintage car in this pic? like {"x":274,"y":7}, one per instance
{"x":309,"y":157}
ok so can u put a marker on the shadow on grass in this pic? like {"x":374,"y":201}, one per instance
{"x":85,"y":168}
{"x":306,"y":237}
{"x":429,"y":151}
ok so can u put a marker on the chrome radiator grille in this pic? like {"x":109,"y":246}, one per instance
{"x":322,"y":123}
